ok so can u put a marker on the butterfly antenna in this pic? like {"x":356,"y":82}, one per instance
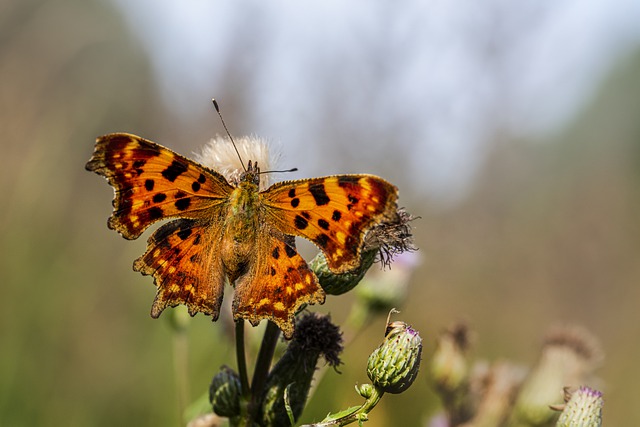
{"x":282,"y":171}
{"x":215,"y":105}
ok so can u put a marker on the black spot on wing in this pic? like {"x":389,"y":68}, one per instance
{"x":139,"y":163}
{"x":174,"y":170}
{"x":295,"y":202}
{"x":289,"y":251}
{"x":195,"y":186}
{"x":323,"y":224}
{"x":322,"y":240}
{"x":183,"y":234}
{"x":183,"y":204}
{"x":137,"y":166}
{"x":148,"y":184}
{"x":336,"y":216}
{"x":276,"y":253}
{"x":154,"y":213}
{"x":300,"y":222}
{"x":159,"y":198}
{"x":319,"y":194}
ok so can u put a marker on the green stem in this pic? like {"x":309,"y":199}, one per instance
{"x":359,"y":414}
{"x":241,"y":359}
{"x":263,"y":363}
{"x":363,"y":411}
{"x":181,"y":369}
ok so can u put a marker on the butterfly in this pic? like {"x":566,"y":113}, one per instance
{"x":232,"y":231}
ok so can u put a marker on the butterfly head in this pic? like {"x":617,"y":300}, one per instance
{"x":252,"y":174}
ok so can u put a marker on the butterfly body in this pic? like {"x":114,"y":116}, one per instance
{"x":242,"y":227}
{"x":235,"y":232}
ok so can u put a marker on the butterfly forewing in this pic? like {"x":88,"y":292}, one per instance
{"x":153,"y":183}
{"x":334,"y":212}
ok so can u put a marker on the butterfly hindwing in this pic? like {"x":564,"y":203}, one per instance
{"x":276,"y":285}
{"x":334,"y":212}
{"x":186,"y":267}
{"x":153,"y":183}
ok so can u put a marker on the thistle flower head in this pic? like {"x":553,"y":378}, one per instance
{"x":220,"y":156}
{"x":317,"y":335}
{"x":583,"y":408}
{"x":391,"y":238}
{"x":314,"y":336}
{"x":394,"y":365}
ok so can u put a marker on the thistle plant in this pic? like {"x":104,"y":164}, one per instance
{"x":506,"y":394}
{"x":277,"y":393}
{"x":226,"y":226}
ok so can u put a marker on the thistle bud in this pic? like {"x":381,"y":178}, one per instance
{"x":384,"y":241}
{"x":449,"y":366}
{"x":338,"y":284}
{"x":394,"y":365}
{"x":568,"y":358}
{"x":583,"y":408}
{"x":365,"y":390}
{"x":314,"y":336}
{"x":224,"y":393}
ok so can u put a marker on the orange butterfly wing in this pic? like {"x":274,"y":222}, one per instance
{"x":153,"y":183}
{"x":181,"y":256}
{"x":277,"y":285}
{"x":334,"y":212}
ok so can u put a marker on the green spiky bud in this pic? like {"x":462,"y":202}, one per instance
{"x":394,"y":365}
{"x":584,"y":409}
{"x":224,"y":393}
{"x":314,"y":336}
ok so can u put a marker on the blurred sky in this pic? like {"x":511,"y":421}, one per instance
{"x":449,"y":76}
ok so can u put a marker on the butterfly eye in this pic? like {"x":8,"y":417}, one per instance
{"x":252,"y":174}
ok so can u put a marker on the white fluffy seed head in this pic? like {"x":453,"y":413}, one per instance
{"x":219,"y":155}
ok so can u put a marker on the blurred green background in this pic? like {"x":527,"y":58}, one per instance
{"x":511,"y":129}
